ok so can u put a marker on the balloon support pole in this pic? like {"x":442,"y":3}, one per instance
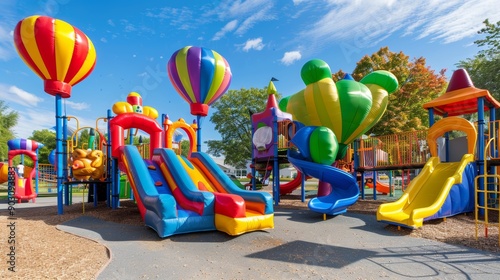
{"x":198,"y":133}
{"x":59,"y":153}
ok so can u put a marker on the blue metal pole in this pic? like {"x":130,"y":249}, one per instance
{"x":198,"y":133}
{"x":303,"y":187}
{"x":36,"y":173}
{"x":431,"y":117}
{"x":276,"y":171}
{"x":374,"y":173}
{"x":493,"y":151}
{"x":59,"y":153}
{"x":391,"y":193}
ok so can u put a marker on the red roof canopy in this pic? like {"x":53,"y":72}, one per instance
{"x":461,"y":97}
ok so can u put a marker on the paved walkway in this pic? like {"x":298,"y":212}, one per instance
{"x":301,"y":246}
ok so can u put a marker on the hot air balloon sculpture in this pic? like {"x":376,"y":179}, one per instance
{"x":200,"y":76}
{"x":349,"y":108}
{"x":62,"y":56}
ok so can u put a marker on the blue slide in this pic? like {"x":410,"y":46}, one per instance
{"x":156,"y":201}
{"x":345,"y":190}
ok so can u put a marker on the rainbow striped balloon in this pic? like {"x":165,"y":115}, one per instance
{"x":57,"y":52}
{"x":23,"y":144}
{"x":200,"y":76}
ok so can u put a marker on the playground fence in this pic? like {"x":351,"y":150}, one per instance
{"x":396,"y":151}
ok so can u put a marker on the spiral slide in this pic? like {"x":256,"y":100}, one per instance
{"x":344,"y":192}
{"x":165,"y":207}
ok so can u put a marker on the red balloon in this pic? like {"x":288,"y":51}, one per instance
{"x":57,"y":52}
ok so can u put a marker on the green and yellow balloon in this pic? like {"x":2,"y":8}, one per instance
{"x":349,"y":108}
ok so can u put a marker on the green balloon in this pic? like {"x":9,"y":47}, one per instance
{"x":315,"y":70}
{"x":323,"y":145}
{"x":342,"y":151}
{"x":356,"y":101}
{"x":284,"y":103}
{"x":382,"y":78}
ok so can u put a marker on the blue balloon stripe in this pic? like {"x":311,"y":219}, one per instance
{"x":207,"y":71}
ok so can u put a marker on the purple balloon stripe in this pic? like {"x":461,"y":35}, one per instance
{"x":179,"y":91}
{"x":174,"y":77}
{"x":23,"y":145}
{"x":194,"y":64}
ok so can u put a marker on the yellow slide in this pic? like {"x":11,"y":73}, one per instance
{"x":426,"y":193}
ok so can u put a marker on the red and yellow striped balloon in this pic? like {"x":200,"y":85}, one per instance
{"x":57,"y":52}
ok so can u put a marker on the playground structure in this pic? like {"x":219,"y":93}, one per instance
{"x":317,"y":141}
{"x":272,"y":130}
{"x":24,"y":188}
{"x":177,"y":194}
{"x":445,"y":187}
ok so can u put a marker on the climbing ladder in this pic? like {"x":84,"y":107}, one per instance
{"x":486,"y":197}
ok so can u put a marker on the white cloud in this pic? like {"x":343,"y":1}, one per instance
{"x":104,"y":40}
{"x":33,"y":119}
{"x":230,"y":26}
{"x":290,"y":57}
{"x":37,"y":119}
{"x":248,"y":23}
{"x":6,"y":46}
{"x":79,"y":106}
{"x":253,"y":44}
{"x":231,"y":9}
{"x":367,"y":23}
{"x":110,"y":22}
{"x":18,"y":96}
{"x":245,"y":13}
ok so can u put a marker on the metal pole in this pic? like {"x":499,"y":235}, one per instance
{"x":198,"y":133}
{"x":59,"y":153}
{"x":480,"y":150}
{"x":67,"y":187}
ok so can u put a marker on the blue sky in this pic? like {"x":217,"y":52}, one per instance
{"x":260,"y":39}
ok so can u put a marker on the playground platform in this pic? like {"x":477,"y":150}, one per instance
{"x":302,"y":245}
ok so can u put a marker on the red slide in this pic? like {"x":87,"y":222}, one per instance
{"x":289,"y":187}
{"x":381,"y":187}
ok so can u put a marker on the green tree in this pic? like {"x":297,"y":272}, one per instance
{"x":48,"y":139}
{"x":484,"y":68}
{"x":232,"y":121}
{"x":418,"y":84}
{"x":185,"y":148}
{"x":8,"y":119}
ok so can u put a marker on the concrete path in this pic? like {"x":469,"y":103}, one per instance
{"x":301,"y":246}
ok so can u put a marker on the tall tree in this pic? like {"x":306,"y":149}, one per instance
{"x":232,"y":121}
{"x":185,"y":148}
{"x":418,"y":84}
{"x":8,"y":119}
{"x":484,"y":68}
{"x":48,"y":139}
